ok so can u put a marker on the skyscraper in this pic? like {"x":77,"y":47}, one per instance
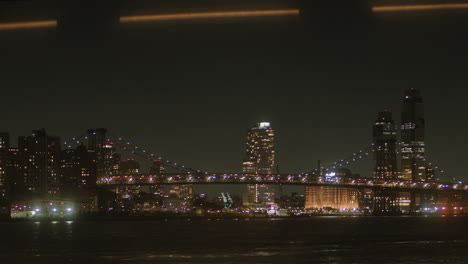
{"x":78,"y":168}
{"x":413,"y":165}
{"x":385,"y":140}
{"x":107,"y":158}
{"x":13,"y":174}
{"x":40,"y":163}
{"x":4,"y":146}
{"x":260,"y":152}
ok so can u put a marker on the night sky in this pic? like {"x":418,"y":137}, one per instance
{"x":190,"y":90}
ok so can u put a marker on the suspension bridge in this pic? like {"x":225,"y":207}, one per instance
{"x":188,"y":175}
{"x":387,"y":196}
{"x":273,"y":179}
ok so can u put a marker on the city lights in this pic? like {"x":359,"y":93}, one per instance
{"x":330,"y":189}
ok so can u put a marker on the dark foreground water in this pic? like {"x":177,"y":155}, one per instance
{"x":314,"y":240}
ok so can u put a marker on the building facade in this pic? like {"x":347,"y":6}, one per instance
{"x":260,"y":150}
{"x":107,"y":158}
{"x":413,"y":165}
{"x":40,"y":164}
{"x":4,"y":181}
{"x":79,"y":168}
{"x":260,"y":159}
{"x":384,"y":148}
{"x":331,"y":198}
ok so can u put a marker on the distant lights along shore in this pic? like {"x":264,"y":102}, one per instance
{"x":204,"y":15}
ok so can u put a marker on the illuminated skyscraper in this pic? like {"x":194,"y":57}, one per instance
{"x":260,"y":150}
{"x":385,"y":140}
{"x":40,"y":164}
{"x":413,"y":165}
{"x":107,"y":158}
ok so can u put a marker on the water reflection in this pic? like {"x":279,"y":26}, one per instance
{"x":314,"y":240}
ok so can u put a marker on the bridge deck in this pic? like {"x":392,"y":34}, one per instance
{"x":298,"y":180}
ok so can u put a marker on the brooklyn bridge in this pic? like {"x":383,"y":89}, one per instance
{"x":385,"y":196}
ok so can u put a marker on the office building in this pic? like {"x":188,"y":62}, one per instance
{"x":413,"y":165}
{"x":79,"y":168}
{"x":129,"y":167}
{"x":4,"y":181}
{"x":384,"y":148}
{"x":107,"y":158}
{"x":331,"y":198}
{"x":260,"y":150}
{"x":40,"y":164}
{"x":260,"y":160}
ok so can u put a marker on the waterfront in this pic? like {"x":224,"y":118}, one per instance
{"x":310,"y":240}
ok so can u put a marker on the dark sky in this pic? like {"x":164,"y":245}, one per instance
{"x":190,"y":90}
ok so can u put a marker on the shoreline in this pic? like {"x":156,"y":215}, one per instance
{"x":206,"y":218}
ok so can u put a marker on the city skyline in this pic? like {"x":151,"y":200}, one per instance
{"x":366,"y":171}
{"x":233,"y":131}
{"x":195,"y":86}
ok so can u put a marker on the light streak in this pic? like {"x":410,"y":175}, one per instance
{"x":421,"y":7}
{"x":204,"y":15}
{"x":28,"y":24}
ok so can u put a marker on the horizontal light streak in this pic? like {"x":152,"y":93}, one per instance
{"x":204,"y":15}
{"x":421,"y":7}
{"x":28,"y":24}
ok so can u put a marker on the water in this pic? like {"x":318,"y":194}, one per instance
{"x":314,"y":240}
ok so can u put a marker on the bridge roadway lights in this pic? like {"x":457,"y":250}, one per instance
{"x":387,"y":198}
{"x":271,"y":179}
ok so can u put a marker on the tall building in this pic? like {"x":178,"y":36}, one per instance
{"x":413,"y":166}
{"x":14,"y":177}
{"x":96,"y":138}
{"x":385,"y":141}
{"x":78,"y":168}
{"x":40,"y":163}
{"x":107,"y":158}
{"x":128,"y":194}
{"x":129,"y":167}
{"x":157,"y":168}
{"x":260,"y":159}
{"x":260,"y":150}
{"x":4,"y":157}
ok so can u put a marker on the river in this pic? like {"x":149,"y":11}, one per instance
{"x":311,"y":240}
